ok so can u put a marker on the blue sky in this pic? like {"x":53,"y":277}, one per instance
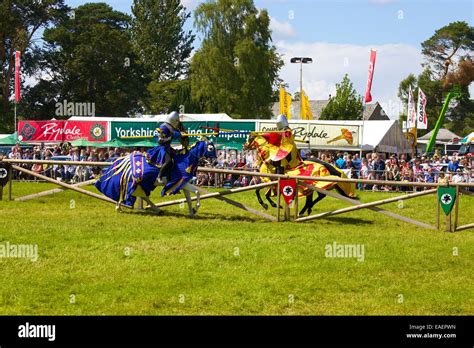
{"x":338,"y":35}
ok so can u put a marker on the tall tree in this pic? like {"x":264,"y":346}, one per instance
{"x":159,"y":38}
{"x":455,"y":40}
{"x":90,"y":59}
{"x":449,"y":62}
{"x":20,"y":21}
{"x":236,"y":69}
{"x":346,"y":105}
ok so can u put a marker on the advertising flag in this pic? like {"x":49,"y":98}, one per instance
{"x":307,"y":113}
{"x":17,"y":77}
{"x":368,"y":96}
{"x":421,"y":121}
{"x":411,"y":114}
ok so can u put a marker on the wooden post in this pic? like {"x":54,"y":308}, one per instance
{"x":437,"y":211}
{"x":278,"y":200}
{"x":52,"y":191}
{"x":456,"y":204}
{"x":359,"y":205}
{"x":68,"y":186}
{"x":239,"y":205}
{"x":296,"y":198}
{"x":465,"y":227}
{"x":370,"y":206}
{"x":10,"y":181}
{"x":287,"y":212}
{"x":216,"y":194}
{"x":448,"y":227}
{"x":139,"y":203}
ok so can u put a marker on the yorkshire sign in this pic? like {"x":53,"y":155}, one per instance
{"x":320,"y":134}
{"x":148,"y":129}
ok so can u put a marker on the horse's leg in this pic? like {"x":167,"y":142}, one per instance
{"x":309,"y":199}
{"x":191,"y":188}
{"x":264,"y":205}
{"x":312,"y":203}
{"x":187,"y":194}
{"x":268,"y":195}
{"x":152,"y":205}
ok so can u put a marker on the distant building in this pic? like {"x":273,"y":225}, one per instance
{"x":373,"y":112}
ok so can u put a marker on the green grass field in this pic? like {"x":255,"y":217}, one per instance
{"x":95,"y":261}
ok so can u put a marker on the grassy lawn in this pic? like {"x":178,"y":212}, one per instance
{"x":93,"y":260}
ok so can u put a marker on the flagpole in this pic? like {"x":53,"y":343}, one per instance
{"x":14,"y":119}
{"x":301,"y":89}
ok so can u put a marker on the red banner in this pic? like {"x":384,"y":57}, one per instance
{"x":61,"y":131}
{"x":17,"y":77}
{"x":368,"y":96}
{"x":288,"y":190}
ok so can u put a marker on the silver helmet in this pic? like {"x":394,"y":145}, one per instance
{"x":173,"y":119}
{"x":282,"y":122}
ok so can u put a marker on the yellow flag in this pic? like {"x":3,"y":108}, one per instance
{"x":282,"y":100}
{"x":307,"y":113}
{"x":285,"y":103}
{"x":288,"y":106}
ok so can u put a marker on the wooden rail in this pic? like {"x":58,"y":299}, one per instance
{"x":251,"y":173}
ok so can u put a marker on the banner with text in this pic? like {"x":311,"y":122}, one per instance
{"x":60,"y":131}
{"x":235,"y":133}
{"x":132,"y":129}
{"x":320,"y":135}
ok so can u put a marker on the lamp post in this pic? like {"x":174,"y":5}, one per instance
{"x":301,"y":61}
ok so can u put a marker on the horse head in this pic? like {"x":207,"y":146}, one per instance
{"x":250,"y":144}
{"x":204,"y":148}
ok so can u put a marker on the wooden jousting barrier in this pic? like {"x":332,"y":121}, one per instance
{"x":300,"y":181}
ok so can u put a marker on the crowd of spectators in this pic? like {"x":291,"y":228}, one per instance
{"x":375,"y":166}
{"x":65,"y":151}
{"x":372,"y":166}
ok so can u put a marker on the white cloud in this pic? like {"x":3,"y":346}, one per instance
{"x":281,"y":30}
{"x":331,"y":61}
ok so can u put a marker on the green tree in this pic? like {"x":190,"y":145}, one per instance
{"x":440,"y":50}
{"x":448,"y":53}
{"x":162,"y":45}
{"x":20,"y":21}
{"x":346,"y":105}
{"x":90,"y":58}
{"x":236,"y":69}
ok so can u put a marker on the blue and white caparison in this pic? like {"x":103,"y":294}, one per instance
{"x":136,"y":175}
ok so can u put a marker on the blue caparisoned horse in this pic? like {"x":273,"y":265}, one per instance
{"x":136,"y":175}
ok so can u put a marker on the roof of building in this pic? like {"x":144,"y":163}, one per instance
{"x":371,"y":111}
{"x":444,"y":135}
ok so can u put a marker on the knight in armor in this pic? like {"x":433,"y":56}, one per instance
{"x":293,"y":158}
{"x":168,"y":131}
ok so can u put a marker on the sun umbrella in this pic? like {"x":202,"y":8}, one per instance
{"x":11,"y":139}
{"x":468,"y":139}
{"x":82,"y":143}
{"x":112,"y":143}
